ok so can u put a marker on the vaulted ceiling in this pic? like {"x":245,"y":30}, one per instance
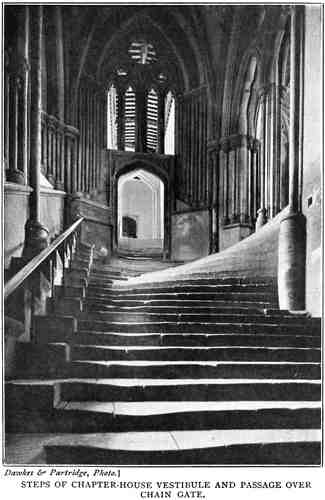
{"x":101,"y":37}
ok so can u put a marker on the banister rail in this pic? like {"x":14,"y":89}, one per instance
{"x":13,"y":283}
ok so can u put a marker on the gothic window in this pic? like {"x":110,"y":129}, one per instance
{"x":129,"y":120}
{"x":152,"y":121}
{"x":112,"y":118}
{"x":169,"y":124}
{"x":143,"y":117}
{"x":142,"y":52}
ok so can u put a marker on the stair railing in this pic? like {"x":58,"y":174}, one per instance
{"x":47,"y":260}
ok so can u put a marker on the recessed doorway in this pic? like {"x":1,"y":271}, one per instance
{"x":140,"y":212}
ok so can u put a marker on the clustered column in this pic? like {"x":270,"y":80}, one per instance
{"x":238,"y":179}
{"x":161,"y":122}
{"x":195,"y":176}
{"x":15,"y":122}
{"x":120,"y":118}
{"x":141,"y":119}
{"x":292,"y":237}
{"x":36,"y":235}
{"x":89,"y":139}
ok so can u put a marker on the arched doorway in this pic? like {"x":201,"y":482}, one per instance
{"x":140,"y":212}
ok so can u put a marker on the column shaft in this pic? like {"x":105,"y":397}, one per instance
{"x":120,"y":118}
{"x":141,"y":120}
{"x":294,"y":129}
{"x":36,"y":235}
{"x":36,"y":106}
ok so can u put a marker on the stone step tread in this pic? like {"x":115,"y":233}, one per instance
{"x":184,"y":440}
{"x":193,"y":363}
{"x":210,"y":277}
{"x":152,"y":308}
{"x":191,"y":334}
{"x":148,"y":408}
{"x":198,"y":314}
{"x":180,"y":353}
{"x":185,"y":302}
{"x":127,"y":348}
{"x":253,"y":297}
{"x":102,"y":334}
{"x":149,"y":389}
{"x":144,"y":382}
{"x":120,"y":289}
{"x":198,"y":340}
{"x":127,"y":324}
{"x":196,"y":285}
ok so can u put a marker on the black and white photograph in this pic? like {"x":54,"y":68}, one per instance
{"x":162,"y":240}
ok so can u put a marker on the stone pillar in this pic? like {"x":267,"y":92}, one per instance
{"x":292,"y":236}
{"x":213,"y":155}
{"x":161,"y":122}
{"x":25,"y":103}
{"x":16,"y":103}
{"x":261,"y":212}
{"x":254,"y":178}
{"x":141,"y":119}
{"x":242,"y":178}
{"x":120,"y":118}
{"x":224,"y":181}
{"x":6,"y":101}
{"x":36,"y":235}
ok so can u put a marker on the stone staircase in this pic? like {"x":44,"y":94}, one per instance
{"x":203,"y":370}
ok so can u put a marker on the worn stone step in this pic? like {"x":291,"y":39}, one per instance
{"x":125,"y":353}
{"x":70,"y":291}
{"x":198,"y":339}
{"x":198,"y":327}
{"x":102,"y":276}
{"x":109,"y":294}
{"x":175,"y":303}
{"x":54,"y":328}
{"x":80,"y":272}
{"x":81,"y":265}
{"x":104,"y":283}
{"x":255,"y":447}
{"x":65,"y":305}
{"x":72,"y":280}
{"x":189,"y":287}
{"x":197,"y":307}
{"x":45,"y":394}
{"x":92,"y":416}
{"x":207,"y":279}
{"x":191,"y":390}
{"x":104,"y":417}
{"x":204,"y":369}
{"x":211,"y":316}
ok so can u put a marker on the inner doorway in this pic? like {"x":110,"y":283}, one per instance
{"x":140,"y":209}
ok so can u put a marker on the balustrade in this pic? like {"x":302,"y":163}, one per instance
{"x":36,"y":279}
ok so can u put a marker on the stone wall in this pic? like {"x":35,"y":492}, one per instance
{"x":97,"y":226}
{"x":16,"y":211}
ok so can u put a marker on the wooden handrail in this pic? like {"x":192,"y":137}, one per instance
{"x":30,"y":267}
